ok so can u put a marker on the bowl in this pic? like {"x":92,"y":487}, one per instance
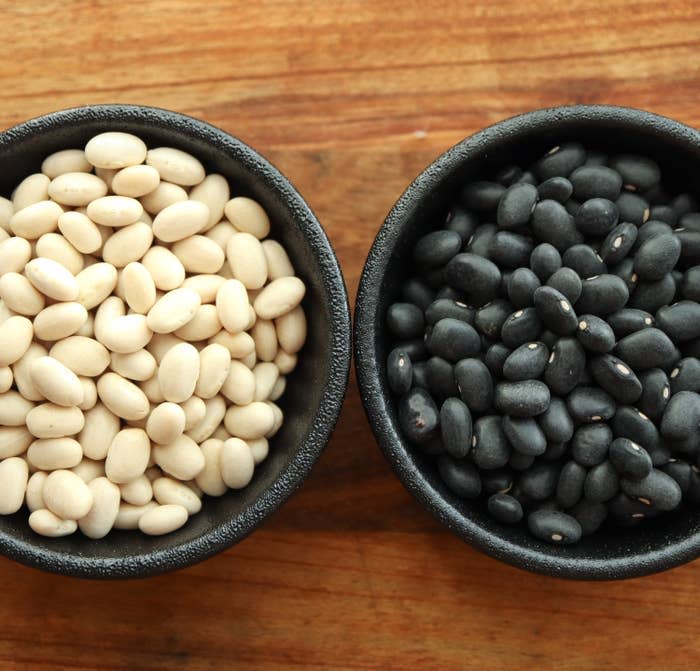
{"x":315,"y":390}
{"x":653,"y":546}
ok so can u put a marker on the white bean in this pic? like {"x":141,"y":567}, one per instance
{"x":100,"y":520}
{"x":221,"y":233}
{"x":52,"y":279}
{"x":199,"y":254}
{"x":205,"y":285}
{"x":82,"y":355}
{"x":33,"y":221}
{"x":162,"y":196}
{"x":115,"y":150}
{"x":214,"y":365}
{"x":66,"y":495}
{"x":237,"y":463}
{"x":247,"y":260}
{"x":137,"y":492}
{"x":50,"y":454}
{"x":180,"y":220}
{"x":278,"y":419}
{"x":279,"y":388}
{"x":14,"y":441}
{"x":182,"y":458}
{"x":55,"y":381}
{"x":76,"y":189}
{"x":14,"y":474}
{"x":178,"y":372}
{"x":21,"y":368}
{"x":34,"y":494}
{"x":279,"y":297}
{"x":176,"y":166}
{"x":89,"y":469}
{"x":168,"y":491}
{"x":126,"y":334}
{"x":31,"y":190}
{"x":128,"y":244}
{"x":55,"y":246}
{"x":195,"y":410}
{"x":89,"y":393}
{"x":232,"y":305}
{"x":204,"y":325}
{"x":278,"y":263}
{"x":265,"y":338}
{"x":80,"y":231}
{"x":128,"y":455}
{"x":95,"y":283}
{"x":239,"y":385}
{"x":101,"y":425}
{"x":216,"y":409}
{"x":214,"y":192}
{"x":165,"y":268}
{"x":15,"y":252}
{"x":291,"y":330}
{"x":166,"y":423}
{"x":6,"y":378}
{"x":20,"y":296}
{"x":248,"y":216}
{"x":140,"y":365}
{"x":66,"y":160}
{"x":116,"y":211}
{"x":266,"y":376}
{"x":249,"y":421}
{"x":15,"y":338}
{"x":59,"y":321}
{"x":122,"y":398}
{"x":49,"y":420}
{"x":139,"y":288}
{"x":173,"y":310}
{"x":6,"y":212}
{"x":45,"y":523}
{"x":135,"y":181}
{"x":238,"y":344}
{"x":259,"y":448}
{"x":163,"y":520}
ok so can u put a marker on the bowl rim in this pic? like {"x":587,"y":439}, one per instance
{"x":235,"y":529}
{"x":367,"y":367}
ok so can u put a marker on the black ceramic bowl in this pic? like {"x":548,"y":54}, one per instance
{"x":315,"y":390}
{"x":672,"y":539}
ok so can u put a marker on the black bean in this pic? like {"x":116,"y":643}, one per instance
{"x":629,"y":320}
{"x":418,"y":292}
{"x":490,"y":445}
{"x":462,"y":222}
{"x":475,"y":384}
{"x":655,"y":393}
{"x":584,"y":261}
{"x":631,"y":423}
{"x":652,"y":228}
{"x":685,"y":375}
{"x":521,"y":286}
{"x":545,"y":260}
{"x":489,"y":318}
{"x":602,"y":295}
{"x":589,"y":515}
{"x":539,"y":482}
{"x":660,"y":455}
{"x":451,"y":294}
{"x":446,"y":307}
{"x":436,"y":248}
{"x":629,"y":459}
{"x":486,"y":342}
{"x":683,"y":204}
{"x":482,"y":196}
{"x":399,"y":371}
{"x":504,"y":508}
{"x":602,"y":483}
{"x":565,"y":366}
{"x":497,"y":481}
{"x":440,"y":378}
{"x":590,"y":444}
{"x":555,"y":310}
{"x":570,"y":485}
{"x":681,"y":471}
{"x":571,"y":206}
{"x":637,"y":171}
{"x":555,"y":188}
{"x":555,"y":421}
{"x":627,"y":512}
{"x":560,"y":161}
{"x":480,"y":242}
{"x":434,"y":278}
{"x":567,"y":282}
{"x":625,"y":271}
{"x":405,"y":320}
{"x":657,"y":256}
{"x":690,"y":221}
{"x":652,"y":295}
{"x":527,"y":362}
{"x":527,"y":398}
{"x":520,"y":462}
{"x":596,"y":217}
{"x":549,"y":338}
{"x":476,"y":276}
{"x":656,"y":490}
{"x":691,"y":348}
{"x":461,"y":478}
{"x":495,"y":358}
{"x":595,"y":181}
{"x":664,"y":213}
{"x":680,"y":321}
{"x":420,"y":374}
{"x":418,"y":415}
{"x":687,"y":446}
{"x":456,"y":427}
{"x":522,"y":326}
{"x":632,"y":208}
{"x":553,"y":224}
{"x":516,"y":205}
{"x":527,"y":178}
{"x":618,"y":243}
{"x":510,"y":250}
{"x":524,"y":435}
{"x":590,"y":404}
{"x":453,"y":340}
{"x":616,"y":378}
{"x":690,"y":245}
{"x":595,"y":334}
{"x":690,"y":286}
{"x":554,"y":527}
{"x":509,"y":175}
{"x":555,"y":451}
{"x":681,"y":417}
{"x":648,"y":348}
{"x":414,"y":348}
{"x":596,"y":157}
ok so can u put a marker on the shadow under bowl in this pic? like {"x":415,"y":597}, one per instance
{"x":315,"y":390}
{"x":656,"y":545}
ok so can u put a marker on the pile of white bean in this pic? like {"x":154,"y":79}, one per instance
{"x":147,"y":324}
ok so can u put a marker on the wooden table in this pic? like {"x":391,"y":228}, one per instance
{"x":351,"y":100}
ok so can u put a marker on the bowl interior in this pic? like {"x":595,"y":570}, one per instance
{"x":315,"y":389}
{"x":652,"y":546}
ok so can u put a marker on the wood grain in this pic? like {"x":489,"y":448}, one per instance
{"x":351,"y":99}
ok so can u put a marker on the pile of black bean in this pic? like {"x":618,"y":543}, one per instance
{"x":546,"y":349}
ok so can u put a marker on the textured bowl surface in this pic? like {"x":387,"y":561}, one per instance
{"x":669,"y":541}
{"x":315,"y":390}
